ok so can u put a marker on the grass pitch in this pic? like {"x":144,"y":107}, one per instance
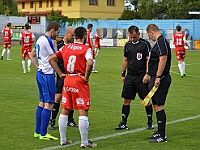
{"x":19,"y":99}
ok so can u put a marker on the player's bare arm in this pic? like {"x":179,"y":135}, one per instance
{"x":53,"y":62}
{"x":161,"y":66}
{"x":124,"y":66}
{"x":33,"y":58}
{"x":88,"y":69}
{"x":146,"y":77}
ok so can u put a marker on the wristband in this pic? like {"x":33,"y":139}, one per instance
{"x":158,"y":76}
{"x":147,"y":73}
{"x":123,"y":73}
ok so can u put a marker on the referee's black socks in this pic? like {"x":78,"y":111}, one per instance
{"x":161,"y":119}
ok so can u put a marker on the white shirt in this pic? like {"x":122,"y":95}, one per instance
{"x":44,"y":47}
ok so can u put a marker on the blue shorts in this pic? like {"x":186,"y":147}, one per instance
{"x":47,"y":87}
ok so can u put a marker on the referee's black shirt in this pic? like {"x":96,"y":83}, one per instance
{"x":160,"y":48}
{"x":60,"y":62}
{"x":136,"y":54}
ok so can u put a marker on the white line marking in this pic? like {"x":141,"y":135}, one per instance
{"x":120,"y":133}
{"x":187,"y":74}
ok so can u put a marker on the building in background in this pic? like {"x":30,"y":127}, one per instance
{"x":94,"y":9}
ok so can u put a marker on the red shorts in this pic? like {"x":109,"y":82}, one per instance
{"x":26,"y":52}
{"x":97,"y":45}
{"x":7,"y":45}
{"x":75,"y":93}
{"x":180,"y":53}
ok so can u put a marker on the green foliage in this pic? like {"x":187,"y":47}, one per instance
{"x":9,"y":7}
{"x":19,"y":99}
{"x":129,"y":15}
{"x":63,"y":20}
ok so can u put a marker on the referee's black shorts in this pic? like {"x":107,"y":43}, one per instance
{"x":132,"y":85}
{"x":159,"y":97}
{"x":59,"y":85}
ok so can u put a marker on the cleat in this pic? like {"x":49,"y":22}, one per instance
{"x":1,"y":57}
{"x":72,"y":124}
{"x":89,"y":145}
{"x":184,"y":74}
{"x":24,"y":72}
{"x":94,"y":71}
{"x":150,"y":127}
{"x":154,"y":136}
{"x":29,"y":68}
{"x":48,"y":137}
{"x":159,"y":140}
{"x":52,"y":124}
{"x":65,"y":143}
{"x":36,"y":135}
{"x":121,"y":126}
{"x":9,"y":59}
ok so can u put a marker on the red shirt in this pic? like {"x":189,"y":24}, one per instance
{"x":7,"y":32}
{"x":97,"y":38}
{"x":179,"y":39}
{"x":89,"y":36}
{"x":75,"y":56}
{"x":27,"y":39}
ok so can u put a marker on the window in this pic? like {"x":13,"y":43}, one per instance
{"x":23,"y":5}
{"x":110,"y":2}
{"x":47,"y":3}
{"x":93,"y":2}
{"x":59,"y":3}
{"x":69,"y":2}
{"x":31,"y":4}
{"x":51,"y":3}
{"x":40,"y":4}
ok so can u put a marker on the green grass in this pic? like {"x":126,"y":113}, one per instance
{"x":19,"y":99}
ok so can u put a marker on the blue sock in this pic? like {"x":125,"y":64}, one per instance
{"x":45,"y":117}
{"x":38,"y":119}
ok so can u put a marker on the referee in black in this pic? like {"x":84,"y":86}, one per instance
{"x":68,"y":38}
{"x":135,"y":61}
{"x":159,"y":67}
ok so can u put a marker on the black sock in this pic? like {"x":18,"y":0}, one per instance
{"x":161,"y":119}
{"x":149,"y":112}
{"x":70,"y":116}
{"x":55,"y":110}
{"x":125,"y":112}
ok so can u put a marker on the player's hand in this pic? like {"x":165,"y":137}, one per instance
{"x":84,"y":78}
{"x":123,"y":79}
{"x":145,"y":79}
{"x":62,"y":75}
{"x":157,"y":82}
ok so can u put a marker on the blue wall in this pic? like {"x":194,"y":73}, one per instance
{"x":193,"y":26}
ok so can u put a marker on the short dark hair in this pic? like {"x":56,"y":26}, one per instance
{"x":132,"y":29}
{"x":80,"y":32}
{"x":152,"y":27}
{"x":178,"y":27}
{"x":8,"y":24}
{"x":89,"y":26}
{"x":26,"y":26}
{"x":53,"y":25}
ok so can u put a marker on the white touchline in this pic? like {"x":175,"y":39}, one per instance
{"x":120,"y":133}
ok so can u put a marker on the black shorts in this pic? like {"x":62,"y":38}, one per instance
{"x":59,"y":84}
{"x":134,"y":85}
{"x":159,"y":97}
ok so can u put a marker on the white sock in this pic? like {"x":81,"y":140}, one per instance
{"x":62,"y":122}
{"x":83,"y":125}
{"x":183,"y":66}
{"x":180,"y":68}
{"x":95,"y":50}
{"x":94,"y":64}
{"x":3,"y":52}
{"x":98,"y":51}
{"x":29,"y":62}
{"x":24,"y":65}
{"x":8,"y":54}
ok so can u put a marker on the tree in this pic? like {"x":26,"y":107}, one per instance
{"x":63,"y":20}
{"x":129,"y":15}
{"x":8,"y":7}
